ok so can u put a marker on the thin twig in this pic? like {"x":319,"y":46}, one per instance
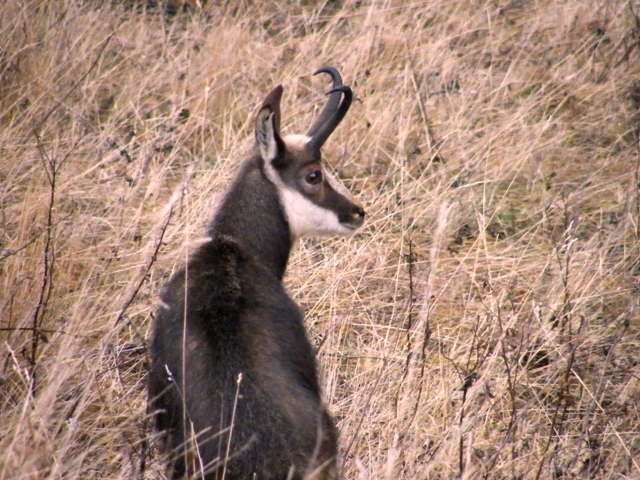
{"x":48,"y":260}
{"x":146,"y":269}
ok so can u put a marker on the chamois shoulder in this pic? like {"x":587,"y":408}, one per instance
{"x":211,"y":280}
{"x":215,"y":275}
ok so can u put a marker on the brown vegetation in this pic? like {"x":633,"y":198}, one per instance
{"x":483,"y":324}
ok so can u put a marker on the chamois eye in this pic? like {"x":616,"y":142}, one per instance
{"x":314,"y":178}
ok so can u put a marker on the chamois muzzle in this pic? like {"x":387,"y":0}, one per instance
{"x":353,"y":218}
{"x":340,"y":97}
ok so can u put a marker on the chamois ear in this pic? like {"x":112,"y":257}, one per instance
{"x":273,"y":102}
{"x":268,"y":126}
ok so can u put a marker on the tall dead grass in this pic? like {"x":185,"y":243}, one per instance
{"x":484,"y":324}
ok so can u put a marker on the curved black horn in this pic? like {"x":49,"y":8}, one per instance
{"x":332,"y":103}
{"x":323,"y":131}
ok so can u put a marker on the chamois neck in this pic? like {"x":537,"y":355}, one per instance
{"x":252,"y":215}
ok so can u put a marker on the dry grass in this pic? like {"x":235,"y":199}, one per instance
{"x":484,"y":324}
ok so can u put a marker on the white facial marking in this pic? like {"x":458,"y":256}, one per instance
{"x":296,"y":142}
{"x":308,"y":219}
{"x":305,"y":218}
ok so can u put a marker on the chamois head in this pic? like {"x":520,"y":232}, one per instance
{"x":314,"y":201}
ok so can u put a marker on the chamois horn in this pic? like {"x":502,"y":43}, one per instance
{"x":333,"y":112}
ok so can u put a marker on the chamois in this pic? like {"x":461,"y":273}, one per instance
{"x":233,"y":382}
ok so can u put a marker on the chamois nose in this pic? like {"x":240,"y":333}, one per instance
{"x":357,"y":215}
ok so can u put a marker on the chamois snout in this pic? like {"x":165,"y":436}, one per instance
{"x":349,"y":212}
{"x":347,"y":208}
{"x":356,"y":219}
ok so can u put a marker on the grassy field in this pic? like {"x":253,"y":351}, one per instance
{"x":484,"y":323}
